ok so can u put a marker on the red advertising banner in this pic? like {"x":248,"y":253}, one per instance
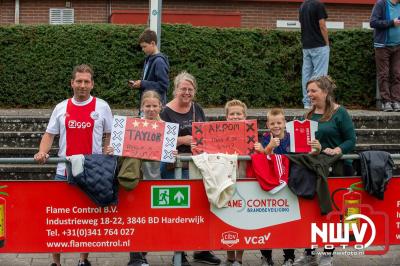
{"x":53,"y":216}
{"x":144,"y":139}
{"x":230,"y":137}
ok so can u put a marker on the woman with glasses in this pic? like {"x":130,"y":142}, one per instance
{"x":184,"y":111}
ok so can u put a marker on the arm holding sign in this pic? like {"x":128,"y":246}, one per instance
{"x":109,"y":150}
{"x":258,"y":147}
{"x":185,"y":140}
{"x":315,"y":146}
{"x":106,"y":144}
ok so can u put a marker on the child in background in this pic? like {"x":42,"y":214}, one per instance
{"x":155,"y":70}
{"x":235,"y":110}
{"x":277,"y":141}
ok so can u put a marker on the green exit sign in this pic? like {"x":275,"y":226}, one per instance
{"x":170,"y":196}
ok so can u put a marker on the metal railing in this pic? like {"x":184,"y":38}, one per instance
{"x":179,"y":159}
{"x":178,"y":163}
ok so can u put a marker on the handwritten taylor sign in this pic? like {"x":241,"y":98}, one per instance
{"x":301,"y":132}
{"x":144,"y":139}
{"x":231,"y":137}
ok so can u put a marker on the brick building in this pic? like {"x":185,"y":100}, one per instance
{"x":227,"y":13}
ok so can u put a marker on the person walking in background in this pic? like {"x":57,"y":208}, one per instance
{"x":315,"y":43}
{"x":385,"y":20}
{"x":155,"y":70}
{"x":81,"y":122}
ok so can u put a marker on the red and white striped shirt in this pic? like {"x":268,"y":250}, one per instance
{"x":81,"y":126}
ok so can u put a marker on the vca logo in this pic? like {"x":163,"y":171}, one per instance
{"x":230,"y":238}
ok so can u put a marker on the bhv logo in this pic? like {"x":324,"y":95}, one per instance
{"x":338,"y":234}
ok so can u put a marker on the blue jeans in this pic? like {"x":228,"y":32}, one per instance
{"x":315,"y":64}
{"x":170,"y":174}
{"x":60,"y":177}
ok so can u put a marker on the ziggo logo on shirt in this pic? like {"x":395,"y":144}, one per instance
{"x":78,"y":124}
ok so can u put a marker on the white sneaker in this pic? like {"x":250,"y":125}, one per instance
{"x":306,"y":260}
{"x":288,"y":262}
{"x":236,"y":263}
{"x":267,"y":261}
{"x":387,"y":107}
{"x":325,"y":260}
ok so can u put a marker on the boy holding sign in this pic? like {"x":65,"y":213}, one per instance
{"x":235,"y":110}
{"x":277,"y":141}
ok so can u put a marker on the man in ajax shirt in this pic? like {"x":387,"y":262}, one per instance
{"x":81,"y":122}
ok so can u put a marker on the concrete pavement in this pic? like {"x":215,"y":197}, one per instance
{"x":251,"y":258}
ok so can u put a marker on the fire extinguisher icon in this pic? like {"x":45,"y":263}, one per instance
{"x":351,"y":198}
{"x":2,"y":221}
{"x":2,"y":217}
{"x":350,"y":205}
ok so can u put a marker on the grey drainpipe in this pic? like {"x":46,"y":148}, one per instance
{"x":109,"y":10}
{"x":16,"y":15}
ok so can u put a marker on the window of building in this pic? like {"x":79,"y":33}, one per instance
{"x":61,"y":16}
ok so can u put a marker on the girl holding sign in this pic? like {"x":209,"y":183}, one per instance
{"x":151,"y":108}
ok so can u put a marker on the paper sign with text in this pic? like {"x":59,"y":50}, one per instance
{"x":144,"y":139}
{"x":230,"y":137}
{"x":300,"y":132}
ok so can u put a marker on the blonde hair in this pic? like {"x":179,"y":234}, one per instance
{"x":275,"y":112}
{"x":182,"y":77}
{"x":235,"y":102}
{"x":326,"y":84}
{"x":150,"y":94}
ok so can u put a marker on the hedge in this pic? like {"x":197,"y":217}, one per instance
{"x":260,"y":67}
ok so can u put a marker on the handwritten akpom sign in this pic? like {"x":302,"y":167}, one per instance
{"x":230,"y":137}
{"x":144,"y":139}
{"x":301,"y":132}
